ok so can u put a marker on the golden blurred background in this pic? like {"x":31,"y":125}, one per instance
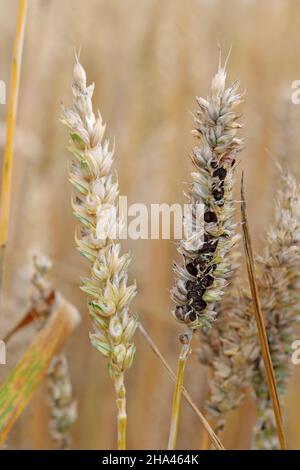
{"x":148,"y":59}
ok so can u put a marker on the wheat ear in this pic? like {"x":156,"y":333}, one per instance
{"x":227,"y":351}
{"x":94,"y":206}
{"x":202,"y":277}
{"x":260,"y":322}
{"x":279,"y":284}
{"x":63,"y":407}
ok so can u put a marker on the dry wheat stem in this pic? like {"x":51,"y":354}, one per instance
{"x":212,"y":436}
{"x":270,"y":375}
{"x":182,"y":360}
{"x":10,"y":135}
{"x":23,"y":380}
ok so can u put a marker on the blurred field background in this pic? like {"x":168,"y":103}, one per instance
{"x":149,"y":59}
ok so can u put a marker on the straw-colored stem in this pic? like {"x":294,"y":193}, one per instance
{"x":18,"y":389}
{"x":121,"y":406}
{"x":213,"y":437}
{"x":182,"y":360}
{"x":270,"y":375}
{"x":10,"y":133}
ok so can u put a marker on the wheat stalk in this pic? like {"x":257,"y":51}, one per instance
{"x":10,"y":134}
{"x":94,"y":206}
{"x":202,"y":277}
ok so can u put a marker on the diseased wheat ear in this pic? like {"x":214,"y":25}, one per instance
{"x":201,"y":278}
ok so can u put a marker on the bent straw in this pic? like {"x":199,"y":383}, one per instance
{"x":20,"y":385}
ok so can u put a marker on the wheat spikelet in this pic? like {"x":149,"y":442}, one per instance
{"x":94,"y":206}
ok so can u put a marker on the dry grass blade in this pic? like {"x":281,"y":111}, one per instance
{"x":19,"y":387}
{"x":10,"y":133}
{"x":260,"y":323}
{"x":213,"y":437}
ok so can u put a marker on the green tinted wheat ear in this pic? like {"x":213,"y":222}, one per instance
{"x":94,"y":206}
{"x":201,"y":278}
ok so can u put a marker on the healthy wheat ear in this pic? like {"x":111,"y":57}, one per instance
{"x":202,"y":277}
{"x":94,"y":206}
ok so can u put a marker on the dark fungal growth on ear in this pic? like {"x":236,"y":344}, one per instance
{"x":202,"y":276}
